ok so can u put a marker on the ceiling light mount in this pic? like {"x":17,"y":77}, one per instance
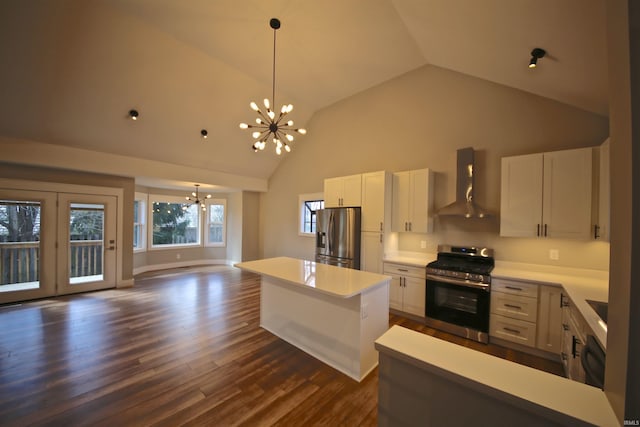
{"x":133,"y":114}
{"x":195,"y":198}
{"x":204,"y":133}
{"x":536,"y":54}
{"x":268,"y":125}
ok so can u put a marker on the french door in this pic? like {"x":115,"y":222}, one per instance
{"x":55,"y":243}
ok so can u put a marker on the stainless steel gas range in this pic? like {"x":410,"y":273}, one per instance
{"x":458,"y":291}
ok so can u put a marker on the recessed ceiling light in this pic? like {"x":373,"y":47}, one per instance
{"x":204,"y":133}
{"x":133,"y":114}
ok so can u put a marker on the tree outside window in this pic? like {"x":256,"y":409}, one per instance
{"x":175,"y":224}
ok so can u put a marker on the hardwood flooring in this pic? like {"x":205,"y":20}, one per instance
{"x":179,"y":348}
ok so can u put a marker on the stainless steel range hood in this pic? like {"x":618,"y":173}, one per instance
{"x":464,"y":206}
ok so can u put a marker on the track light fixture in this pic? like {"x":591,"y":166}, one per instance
{"x":195,"y":198}
{"x":204,"y":133}
{"x":133,"y":114}
{"x":536,"y":54}
{"x":268,"y":124}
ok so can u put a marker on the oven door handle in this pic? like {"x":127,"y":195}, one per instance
{"x":459,"y":282}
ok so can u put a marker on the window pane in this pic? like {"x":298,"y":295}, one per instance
{"x":137,"y":236}
{"x":216,"y":224}
{"x":136,"y":211}
{"x":19,"y":244}
{"x":309,"y":215}
{"x":216,"y":213}
{"x":173,"y":225}
{"x":215,"y":233}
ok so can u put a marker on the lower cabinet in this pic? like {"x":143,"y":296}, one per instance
{"x":550,"y":319}
{"x":371,"y":251}
{"x":527,"y":313}
{"x":408,"y":287}
{"x":573,"y":338}
{"x":514,"y":309}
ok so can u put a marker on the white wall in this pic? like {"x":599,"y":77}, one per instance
{"x":419,"y":120}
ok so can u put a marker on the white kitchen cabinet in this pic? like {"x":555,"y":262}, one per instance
{"x":514,"y":311}
{"x":412,"y":207}
{"x":376,"y":201}
{"x":550,"y":319}
{"x":343,"y":191}
{"x":573,"y":338}
{"x":376,"y":216}
{"x":408,"y":288}
{"x":371,"y":251}
{"x":547,"y":195}
{"x":604,"y":193}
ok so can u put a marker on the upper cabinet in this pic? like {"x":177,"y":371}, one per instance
{"x":601,"y":231}
{"x":376,"y":195}
{"x":412,"y":205}
{"x":343,"y":191}
{"x":547,"y":195}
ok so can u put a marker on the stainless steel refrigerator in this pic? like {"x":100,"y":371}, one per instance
{"x":338,"y":237}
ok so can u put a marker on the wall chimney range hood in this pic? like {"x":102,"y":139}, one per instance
{"x":464,"y":206}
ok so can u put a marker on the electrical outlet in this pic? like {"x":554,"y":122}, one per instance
{"x":178,"y":256}
{"x":423,"y":244}
{"x":554,"y":254}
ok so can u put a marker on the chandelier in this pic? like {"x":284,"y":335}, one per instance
{"x":268,"y":125}
{"x":195,"y":198}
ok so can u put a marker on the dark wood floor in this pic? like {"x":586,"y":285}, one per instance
{"x":176,"y":349}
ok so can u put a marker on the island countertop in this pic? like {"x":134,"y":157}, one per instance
{"x":327,"y":279}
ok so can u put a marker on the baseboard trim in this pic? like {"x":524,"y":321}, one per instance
{"x":166,"y":266}
{"x":125,"y":283}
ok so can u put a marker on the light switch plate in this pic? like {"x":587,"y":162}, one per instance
{"x":554,"y":254}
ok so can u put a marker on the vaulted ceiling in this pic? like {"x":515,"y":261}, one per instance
{"x":72,"y":69}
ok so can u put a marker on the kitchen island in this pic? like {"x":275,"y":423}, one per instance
{"x":334,"y":314}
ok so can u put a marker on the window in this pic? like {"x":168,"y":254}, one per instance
{"x":174,"y":223}
{"x":139,"y":216}
{"x":215,"y":229}
{"x":309,"y":204}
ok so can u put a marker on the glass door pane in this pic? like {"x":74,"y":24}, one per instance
{"x":19,"y":245}
{"x":86,"y":243}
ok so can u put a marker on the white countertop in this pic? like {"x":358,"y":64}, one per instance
{"x":327,"y":279}
{"x":413,"y":259}
{"x":579,"y":284}
{"x":477,"y":369}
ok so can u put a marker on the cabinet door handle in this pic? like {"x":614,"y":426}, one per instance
{"x":565,"y":327}
{"x":410,"y":226}
{"x":380,"y":237}
{"x":514,"y":331}
{"x":513,"y":288}
{"x":538,"y":230}
{"x":545,"y":230}
{"x":596,"y":231}
{"x":574,"y":345}
{"x":513,"y":306}
{"x":380,"y":226}
{"x":403,"y":269}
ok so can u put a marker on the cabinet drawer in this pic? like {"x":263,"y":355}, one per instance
{"x":513,"y":330}
{"x":515,"y":287}
{"x":515,"y":306}
{"x":405,"y":270}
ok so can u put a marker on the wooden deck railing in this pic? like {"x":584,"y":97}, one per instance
{"x":19,"y":262}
